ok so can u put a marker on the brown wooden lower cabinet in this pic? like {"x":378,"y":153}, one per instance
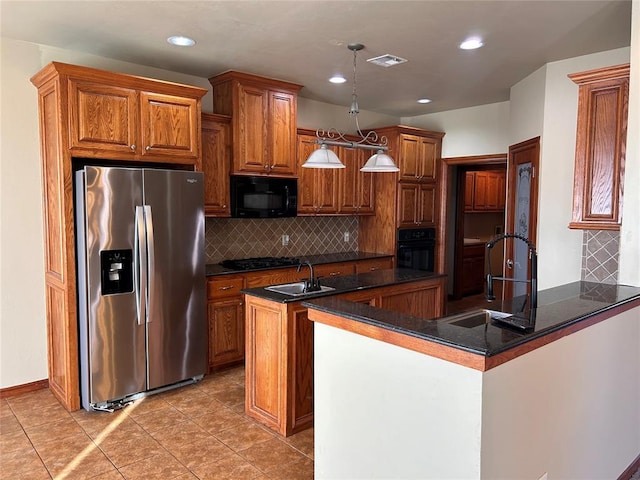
{"x":473,"y":263}
{"x":225,"y":303}
{"x":279,"y":349}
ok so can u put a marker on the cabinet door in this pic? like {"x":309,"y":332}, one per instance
{"x":226,"y":331}
{"x":408,"y":163}
{"x":427,"y":159}
{"x":171,"y":126}
{"x":480,"y":191}
{"x":250,"y":131}
{"x":302,"y":343}
{"x":469,"y":191}
{"x":426,"y":205}
{"x":493,"y":190}
{"x":216,"y":165}
{"x":103,"y":117}
{"x":335,"y":269}
{"x":281,"y":157}
{"x":317,"y":187}
{"x":355,"y":195}
{"x":407,"y":204}
{"x":423,"y":302}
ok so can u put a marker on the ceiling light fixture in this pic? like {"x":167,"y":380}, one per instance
{"x":181,"y":41}
{"x":471,"y":43}
{"x":337,"y":79}
{"x":325,"y":158}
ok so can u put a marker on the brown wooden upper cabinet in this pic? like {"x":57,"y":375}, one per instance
{"x":484,"y":191}
{"x":356,"y":190}
{"x":108,"y":119}
{"x":417,"y":159}
{"x":216,"y":164}
{"x":603,"y":100}
{"x":90,"y":113}
{"x":317,"y":187}
{"x":263,"y":113}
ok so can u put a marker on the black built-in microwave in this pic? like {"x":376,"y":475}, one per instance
{"x":263,"y":197}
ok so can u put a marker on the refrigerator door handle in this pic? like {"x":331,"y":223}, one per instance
{"x":140,"y":265}
{"x":151,"y":254}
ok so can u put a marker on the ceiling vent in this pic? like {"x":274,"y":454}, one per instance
{"x":387,"y":60}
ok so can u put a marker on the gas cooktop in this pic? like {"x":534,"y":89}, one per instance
{"x":260,"y":262}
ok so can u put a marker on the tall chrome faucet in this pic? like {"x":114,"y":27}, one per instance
{"x":533,"y":274}
{"x":313,"y":283}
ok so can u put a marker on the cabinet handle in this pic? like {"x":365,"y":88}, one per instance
{"x":373,"y":269}
{"x":334,"y":274}
{"x":228,"y":287}
{"x":147,"y":148}
{"x":133,"y":147}
{"x":224,"y":206}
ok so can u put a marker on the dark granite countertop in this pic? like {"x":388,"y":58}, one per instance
{"x":215,"y":269}
{"x":558,"y":308}
{"x":350,"y":283}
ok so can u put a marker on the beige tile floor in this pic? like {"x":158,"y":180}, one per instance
{"x":195,"y":432}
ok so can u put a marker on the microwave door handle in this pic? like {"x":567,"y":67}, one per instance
{"x":286,"y":193}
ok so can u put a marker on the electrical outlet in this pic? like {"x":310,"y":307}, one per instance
{"x":285,"y":240}
{"x":346,"y":236}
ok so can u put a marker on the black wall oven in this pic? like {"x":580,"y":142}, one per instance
{"x":416,"y":248}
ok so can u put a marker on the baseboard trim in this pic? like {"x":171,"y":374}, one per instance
{"x":24,"y":388}
{"x":631,"y":469}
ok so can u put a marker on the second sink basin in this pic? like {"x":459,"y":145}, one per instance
{"x":475,"y":318}
{"x":296,"y":289}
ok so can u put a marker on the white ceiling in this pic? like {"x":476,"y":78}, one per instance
{"x":305,"y":41}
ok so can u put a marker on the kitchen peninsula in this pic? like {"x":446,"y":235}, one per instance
{"x":279,"y":337}
{"x":402,"y":397}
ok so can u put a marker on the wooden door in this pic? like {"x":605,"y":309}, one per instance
{"x":427,"y":159}
{"x":409,"y":155}
{"x":226,"y":331}
{"x":426,"y":208}
{"x":250,"y":148}
{"x":216,"y":164}
{"x":281,"y":125}
{"x":170,"y":126}
{"x":407,"y":204}
{"x":522,"y":211}
{"x":104,"y":118}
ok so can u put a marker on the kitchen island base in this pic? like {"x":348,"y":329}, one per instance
{"x":568,"y":409}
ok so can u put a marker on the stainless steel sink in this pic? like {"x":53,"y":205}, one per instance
{"x":296,"y":289}
{"x":475,"y":318}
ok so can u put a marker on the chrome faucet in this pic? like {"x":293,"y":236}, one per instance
{"x":312,"y":284}
{"x":533,"y":275}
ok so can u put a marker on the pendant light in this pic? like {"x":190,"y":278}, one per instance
{"x":323,"y":157}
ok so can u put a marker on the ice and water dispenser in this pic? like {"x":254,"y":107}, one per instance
{"x":116,"y":271}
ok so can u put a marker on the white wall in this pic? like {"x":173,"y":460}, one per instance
{"x":570,"y":409}
{"x":478,"y":130}
{"x":315,"y":115}
{"x":386,"y":412}
{"x":557,"y":244}
{"x":629,"y":272}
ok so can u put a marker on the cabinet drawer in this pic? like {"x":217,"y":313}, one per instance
{"x":334,"y":269}
{"x":374,"y":264}
{"x":224,"y":287}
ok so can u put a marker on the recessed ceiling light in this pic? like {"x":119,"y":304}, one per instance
{"x":181,"y":41}
{"x":424,"y":100}
{"x":471,"y":43}
{"x":337,"y":79}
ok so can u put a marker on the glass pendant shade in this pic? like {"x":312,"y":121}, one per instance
{"x":323,"y":158}
{"x":380,"y":162}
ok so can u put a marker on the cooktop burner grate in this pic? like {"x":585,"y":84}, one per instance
{"x":260,"y":262}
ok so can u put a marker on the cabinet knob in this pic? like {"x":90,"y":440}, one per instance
{"x":133,"y":147}
{"x":224,"y":206}
{"x":334,"y":274}
{"x":266,"y":167}
{"x":147,"y":148}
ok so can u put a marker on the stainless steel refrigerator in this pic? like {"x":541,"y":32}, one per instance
{"x":141,"y":282}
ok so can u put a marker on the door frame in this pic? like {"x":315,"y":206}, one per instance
{"x":532,"y":144}
{"x":445,"y":220}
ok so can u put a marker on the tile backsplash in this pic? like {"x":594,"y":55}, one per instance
{"x":600,"y":250}
{"x":231,"y":238}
